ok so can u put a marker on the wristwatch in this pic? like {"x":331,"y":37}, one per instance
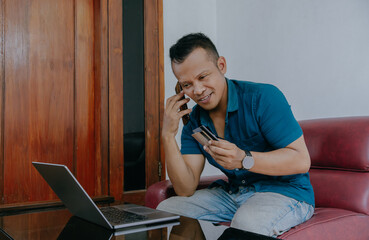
{"x":248,"y":161}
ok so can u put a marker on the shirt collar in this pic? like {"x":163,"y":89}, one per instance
{"x":232,"y":105}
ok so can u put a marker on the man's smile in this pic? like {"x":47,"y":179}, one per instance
{"x":205,"y":99}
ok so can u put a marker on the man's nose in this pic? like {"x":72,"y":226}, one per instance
{"x":198,"y":88}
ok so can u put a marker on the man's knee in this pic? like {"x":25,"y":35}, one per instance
{"x":205,"y":204}
{"x":270,"y":214}
{"x":168,"y":204}
{"x":252,"y":222}
{"x":183,"y":206}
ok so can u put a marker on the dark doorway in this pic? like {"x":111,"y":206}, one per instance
{"x":133,"y":95}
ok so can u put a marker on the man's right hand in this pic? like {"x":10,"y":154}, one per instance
{"x":184,"y":171}
{"x":172,"y":114}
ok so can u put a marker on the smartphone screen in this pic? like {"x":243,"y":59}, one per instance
{"x":185,"y":118}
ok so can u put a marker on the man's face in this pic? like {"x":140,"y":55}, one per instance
{"x":202,"y":79}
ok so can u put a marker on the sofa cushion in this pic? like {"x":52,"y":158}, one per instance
{"x":338,"y":143}
{"x":341,"y":189}
{"x":331,"y":223}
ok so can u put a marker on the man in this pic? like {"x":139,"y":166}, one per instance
{"x":261,"y":148}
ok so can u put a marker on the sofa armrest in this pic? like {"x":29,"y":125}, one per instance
{"x":164,"y":189}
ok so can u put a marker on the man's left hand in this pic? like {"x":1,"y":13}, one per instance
{"x":227,"y":154}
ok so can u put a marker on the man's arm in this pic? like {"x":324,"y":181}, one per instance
{"x":293,"y":159}
{"x":183,"y":170}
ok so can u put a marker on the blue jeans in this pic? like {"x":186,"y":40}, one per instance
{"x":265,"y":213}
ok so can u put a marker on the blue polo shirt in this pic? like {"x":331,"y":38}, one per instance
{"x":258,"y":119}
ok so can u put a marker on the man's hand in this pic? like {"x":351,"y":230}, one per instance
{"x":292,"y":159}
{"x":172,"y":115}
{"x":227,"y":154}
{"x":184,"y":171}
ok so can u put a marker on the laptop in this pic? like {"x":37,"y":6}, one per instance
{"x":77,"y":228}
{"x":79,"y":203}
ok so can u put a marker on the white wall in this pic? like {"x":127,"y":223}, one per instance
{"x":315,"y":51}
{"x":180,"y":18}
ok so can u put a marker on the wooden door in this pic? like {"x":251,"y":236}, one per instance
{"x":48,"y":93}
{"x":61,"y":95}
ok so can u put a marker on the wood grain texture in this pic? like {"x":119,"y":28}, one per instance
{"x":153,"y":81}
{"x":161,"y":83}
{"x":21,"y":208}
{"x":2,"y":84}
{"x":39,"y":77}
{"x":85,"y":163}
{"x":61,"y":95}
{"x":137,"y":197}
{"x":101,"y":96}
{"x":50,"y":108}
{"x":116,"y":151}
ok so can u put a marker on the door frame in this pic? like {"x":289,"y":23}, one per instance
{"x":154,"y":98}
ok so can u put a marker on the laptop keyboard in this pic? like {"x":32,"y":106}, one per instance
{"x":118,"y":216}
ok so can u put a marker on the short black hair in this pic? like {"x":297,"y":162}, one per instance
{"x":185,"y":45}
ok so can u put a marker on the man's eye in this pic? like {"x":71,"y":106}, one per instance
{"x":202,"y":76}
{"x":186,"y":85}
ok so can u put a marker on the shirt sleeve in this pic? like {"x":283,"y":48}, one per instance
{"x":189,"y":144}
{"x":275,"y":118}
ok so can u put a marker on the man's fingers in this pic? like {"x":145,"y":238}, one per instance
{"x":184,"y":112}
{"x":221,"y":160}
{"x":179,"y":103}
{"x":208,"y":150}
{"x":217,"y":157}
{"x":222,"y":144}
{"x":174,"y":99}
{"x":217,"y":150}
{"x":177,"y":96}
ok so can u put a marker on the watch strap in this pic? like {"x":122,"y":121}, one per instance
{"x":248,"y":153}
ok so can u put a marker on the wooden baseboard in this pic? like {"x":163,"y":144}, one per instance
{"x":136,"y":197}
{"x":11,"y":209}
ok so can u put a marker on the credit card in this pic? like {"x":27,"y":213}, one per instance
{"x":203,"y":135}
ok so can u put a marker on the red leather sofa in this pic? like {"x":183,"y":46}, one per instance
{"x":339,"y":151}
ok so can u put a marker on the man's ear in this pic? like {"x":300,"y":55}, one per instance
{"x":222,"y":65}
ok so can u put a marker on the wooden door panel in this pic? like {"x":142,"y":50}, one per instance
{"x":101,"y":95}
{"x":87,"y":171}
{"x":39,"y":92}
{"x":116,"y":152}
{"x":50,"y":112}
{"x":61,"y":95}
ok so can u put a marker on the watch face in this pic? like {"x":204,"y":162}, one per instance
{"x":248,"y":162}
